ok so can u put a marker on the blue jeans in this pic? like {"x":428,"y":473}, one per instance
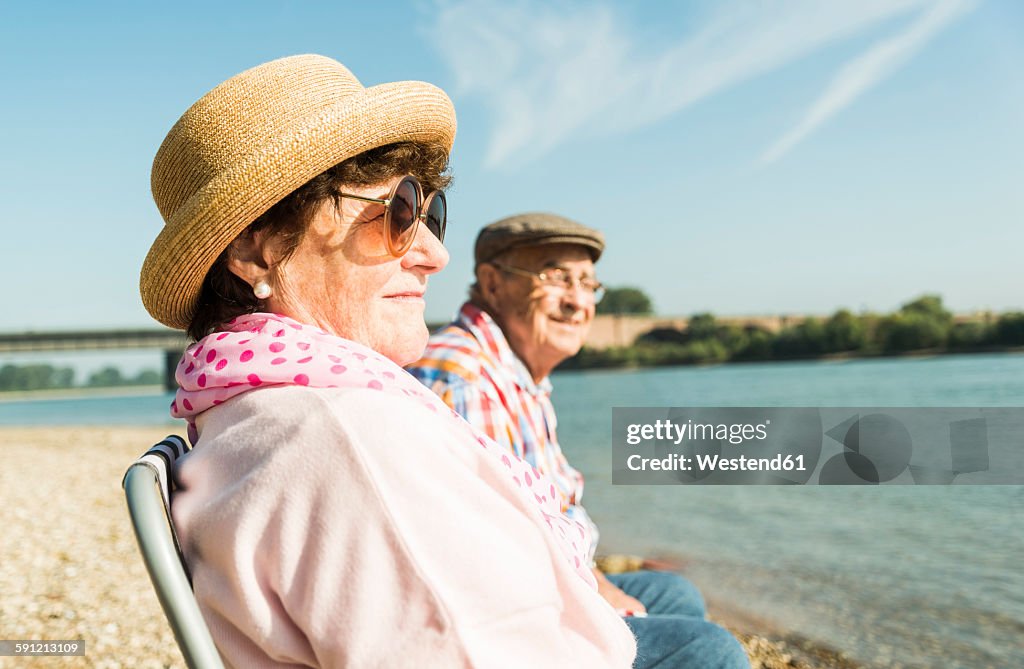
{"x":675,"y":635}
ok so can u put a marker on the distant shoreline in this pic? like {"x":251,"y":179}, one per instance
{"x":592,"y":359}
{"x":79,"y":393}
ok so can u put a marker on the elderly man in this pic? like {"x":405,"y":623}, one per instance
{"x":531,"y":308}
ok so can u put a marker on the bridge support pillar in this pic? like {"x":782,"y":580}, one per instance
{"x":171,"y":358}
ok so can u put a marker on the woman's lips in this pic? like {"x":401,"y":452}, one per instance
{"x":408,"y":296}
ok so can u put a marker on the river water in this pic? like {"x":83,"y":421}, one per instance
{"x":923,"y":576}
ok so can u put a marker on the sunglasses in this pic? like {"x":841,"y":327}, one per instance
{"x":404,"y":209}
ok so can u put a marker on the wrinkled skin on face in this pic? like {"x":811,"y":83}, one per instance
{"x":544,"y":326}
{"x":342,"y":279}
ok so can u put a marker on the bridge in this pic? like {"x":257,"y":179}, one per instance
{"x":171,"y":342}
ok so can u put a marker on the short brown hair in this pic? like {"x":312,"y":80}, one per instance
{"x":224,"y":296}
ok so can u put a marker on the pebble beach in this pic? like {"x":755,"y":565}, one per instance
{"x":70,"y":569}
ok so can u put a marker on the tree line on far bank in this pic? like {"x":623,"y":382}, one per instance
{"x":920,"y":325}
{"x":48,"y":377}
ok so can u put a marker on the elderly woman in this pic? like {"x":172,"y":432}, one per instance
{"x":333,"y":512}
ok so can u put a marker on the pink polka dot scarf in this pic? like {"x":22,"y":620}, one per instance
{"x":262,"y":350}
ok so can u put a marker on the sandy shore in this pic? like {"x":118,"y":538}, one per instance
{"x":69,"y":566}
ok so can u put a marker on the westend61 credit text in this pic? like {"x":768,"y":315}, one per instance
{"x":735,"y":433}
{"x":817,"y":445}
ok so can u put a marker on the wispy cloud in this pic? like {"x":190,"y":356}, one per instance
{"x":553,"y":72}
{"x":866,"y":70}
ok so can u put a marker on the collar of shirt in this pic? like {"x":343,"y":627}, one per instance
{"x":483,"y":327}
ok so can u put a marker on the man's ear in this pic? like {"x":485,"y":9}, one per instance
{"x":488,"y":277}
{"x":250,"y":257}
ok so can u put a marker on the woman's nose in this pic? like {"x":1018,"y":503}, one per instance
{"x":427,"y":252}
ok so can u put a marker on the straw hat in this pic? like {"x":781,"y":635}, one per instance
{"x":254,"y":139}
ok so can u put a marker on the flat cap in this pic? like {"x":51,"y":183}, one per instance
{"x":535,"y":229}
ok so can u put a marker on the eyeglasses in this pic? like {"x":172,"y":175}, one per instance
{"x":559,"y":279}
{"x":404,"y":209}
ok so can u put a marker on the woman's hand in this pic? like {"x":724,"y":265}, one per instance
{"x":619,"y":600}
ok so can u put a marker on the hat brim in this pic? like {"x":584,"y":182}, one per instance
{"x":200,"y":230}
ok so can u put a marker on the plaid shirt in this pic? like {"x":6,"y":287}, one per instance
{"x":470,"y":365}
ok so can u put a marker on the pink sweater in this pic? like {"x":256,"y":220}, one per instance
{"x":347,"y":527}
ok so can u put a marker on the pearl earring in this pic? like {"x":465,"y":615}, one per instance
{"x":261,"y":289}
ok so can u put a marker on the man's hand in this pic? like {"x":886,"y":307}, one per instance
{"x":619,"y":600}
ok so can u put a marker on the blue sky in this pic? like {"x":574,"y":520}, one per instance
{"x":741,"y":157}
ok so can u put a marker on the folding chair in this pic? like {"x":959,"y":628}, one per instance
{"x":147,"y":485}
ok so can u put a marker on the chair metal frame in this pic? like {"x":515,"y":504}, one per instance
{"x":147,"y":485}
